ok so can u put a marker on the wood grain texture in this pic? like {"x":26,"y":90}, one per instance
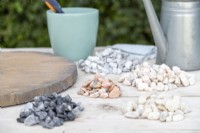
{"x":24,"y":75}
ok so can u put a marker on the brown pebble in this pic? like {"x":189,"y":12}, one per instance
{"x":92,"y":91}
{"x":80,"y":92}
{"x":87,"y":83}
{"x":106,"y":84}
{"x":111,"y":88}
{"x":115,"y":92}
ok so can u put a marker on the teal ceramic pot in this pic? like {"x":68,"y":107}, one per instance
{"x":73,"y":34}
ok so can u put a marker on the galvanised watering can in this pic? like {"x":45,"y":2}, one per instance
{"x":177,"y":36}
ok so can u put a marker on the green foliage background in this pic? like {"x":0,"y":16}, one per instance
{"x":23,"y":22}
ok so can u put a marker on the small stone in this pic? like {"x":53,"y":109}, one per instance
{"x":37,"y":99}
{"x":113,"y":65}
{"x":148,"y":89}
{"x":126,"y":82}
{"x":57,"y":121}
{"x":129,"y":107}
{"x":103,"y":90}
{"x":178,"y":117}
{"x":128,"y":64}
{"x":80,"y":92}
{"x":87,"y":62}
{"x":133,"y":115}
{"x":172,"y":105}
{"x":94,"y":95}
{"x":184,"y":80}
{"x":176,"y":70}
{"x":30,"y":120}
{"x":178,"y":112}
{"x":87,"y":83}
{"x":76,"y":111}
{"x":140,"y":109}
{"x":106,"y":84}
{"x":115,"y":93}
{"x":160,"y":77}
{"x":41,"y":106}
{"x":153,"y":85}
{"x":51,"y":113}
{"x":59,"y":109}
{"x":163,"y":116}
{"x":146,"y":112}
{"x":154,"y":116}
{"x":160,"y":86}
{"x":166,"y":87}
{"x":70,"y":116}
{"x":185,"y":108}
{"x":25,"y":114}
{"x":67,"y":98}
{"x":192,"y":80}
{"x":142,"y":86}
{"x":41,"y":114}
{"x":95,"y":85}
{"x":141,"y":100}
{"x":165,"y":80}
{"x":105,"y":52}
{"x":48,"y":123}
{"x":104,"y":95}
{"x":86,"y":94}
{"x":177,"y":81}
{"x":146,"y":79}
{"x":168,"y":119}
{"x":138,"y":81}
{"x":20,"y":120}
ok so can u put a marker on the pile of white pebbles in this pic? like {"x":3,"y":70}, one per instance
{"x":156,"y":107}
{"x":148,"y":77}
{"x":110,"y":61}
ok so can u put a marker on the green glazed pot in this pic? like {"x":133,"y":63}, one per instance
{"x":73,"y":34}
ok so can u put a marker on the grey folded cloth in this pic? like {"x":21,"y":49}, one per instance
{"x":145,"y":52}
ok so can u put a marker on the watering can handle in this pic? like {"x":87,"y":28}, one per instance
{"x":158,"y":35}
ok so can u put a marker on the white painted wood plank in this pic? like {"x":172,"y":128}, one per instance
{"x":104,"y":116}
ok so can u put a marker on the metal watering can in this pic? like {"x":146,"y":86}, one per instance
{"x":177,"y":36}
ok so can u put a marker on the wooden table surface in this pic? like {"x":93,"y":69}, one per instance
{"x":104,"y":116}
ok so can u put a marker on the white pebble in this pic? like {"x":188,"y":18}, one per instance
{"x":184,"y":80}
{"x":141,"y":100}
{"x":146,"y":79}
{"x":163,"y":116}
{"x":133,"y":115}
{"x":176,"y":70}
{"x":160,"y":86}
{"x":192,"y":80}
{"x":131,"y":106}
{"x":178,"y":117}
{"x":146,"y":112}
{"x":142,"y":86}
{"x":140,"y":109}
{"x":128,"y":64}
{"x":154,"y":116}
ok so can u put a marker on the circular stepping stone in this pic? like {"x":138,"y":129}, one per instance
{"x":24,"y":75}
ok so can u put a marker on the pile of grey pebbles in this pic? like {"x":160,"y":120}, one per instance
{"x":110,"y":61}
{"x":50,"y":111}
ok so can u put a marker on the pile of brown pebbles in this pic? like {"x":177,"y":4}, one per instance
{"x":101,"y":87}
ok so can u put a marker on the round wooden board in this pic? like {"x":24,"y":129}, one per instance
{"x":24,"y":75}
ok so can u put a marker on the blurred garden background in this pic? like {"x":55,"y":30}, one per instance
{"x":23,"y":22}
